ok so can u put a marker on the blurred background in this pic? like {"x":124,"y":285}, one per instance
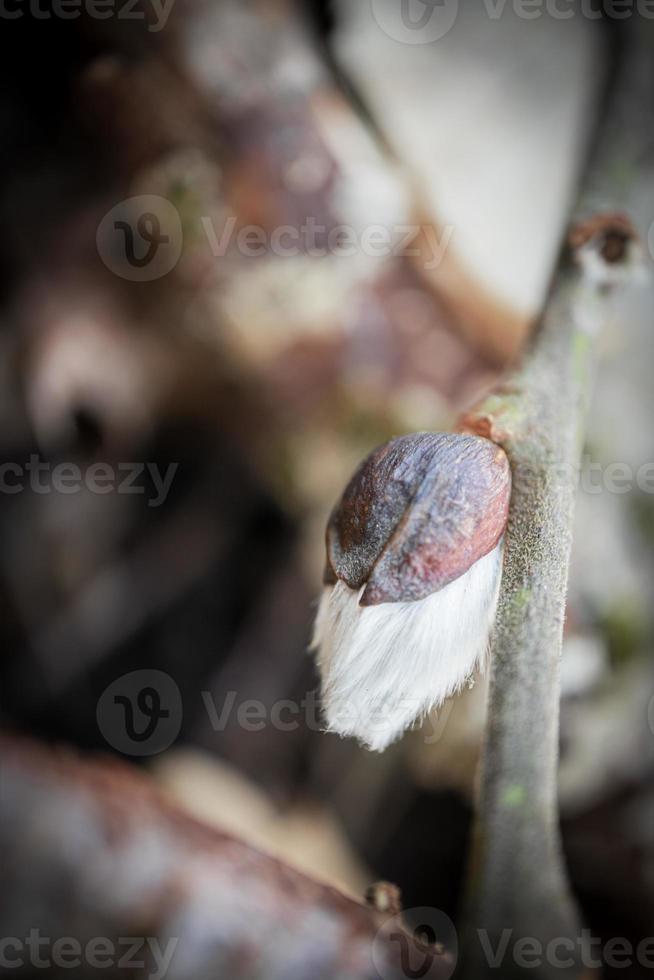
{"x":242,"y":244}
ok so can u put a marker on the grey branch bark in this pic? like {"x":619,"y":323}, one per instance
{"x":517,"y":875}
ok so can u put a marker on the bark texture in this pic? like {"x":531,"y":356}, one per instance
{"x":94,"y":852}
{"x":517,"y":879}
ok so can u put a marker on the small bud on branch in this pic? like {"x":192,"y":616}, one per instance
{"x":413,"y":567}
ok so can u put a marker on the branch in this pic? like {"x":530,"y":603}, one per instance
{"x":517,"y":876}
{"x":95,"y":855}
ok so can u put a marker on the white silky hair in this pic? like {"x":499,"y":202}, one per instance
{"x":384,"y":667}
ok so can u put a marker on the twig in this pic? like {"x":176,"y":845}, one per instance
{"x":517,"y":878}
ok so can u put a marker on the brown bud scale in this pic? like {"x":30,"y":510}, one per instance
{"x":416,"y":515}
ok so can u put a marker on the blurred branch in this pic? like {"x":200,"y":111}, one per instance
{"x":95,"y":852}
{"x":518,"y":879}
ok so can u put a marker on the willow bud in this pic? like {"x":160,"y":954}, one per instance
{"x":414,"y":555}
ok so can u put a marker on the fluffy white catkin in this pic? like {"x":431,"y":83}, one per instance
{"x":384,"y":666}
